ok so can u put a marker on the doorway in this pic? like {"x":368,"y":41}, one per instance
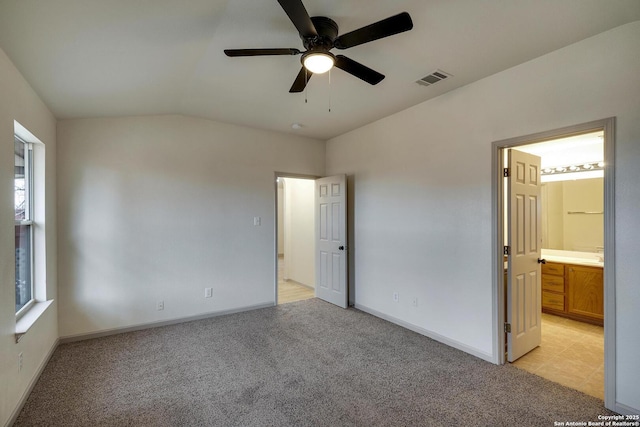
{"x":315,"y":248}
{"x":295,"y":239}
{"x":571,"y":349}
{"x":567,"y":327}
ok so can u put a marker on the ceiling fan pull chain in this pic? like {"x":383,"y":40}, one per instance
{"x":306,"y":80}
{"x":329,"y":90}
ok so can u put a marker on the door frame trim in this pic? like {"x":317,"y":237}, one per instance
{"x":277,"y":175}
{"x":497,"y":213}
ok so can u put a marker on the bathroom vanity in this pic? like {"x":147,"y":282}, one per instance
{"x":573,"y":286}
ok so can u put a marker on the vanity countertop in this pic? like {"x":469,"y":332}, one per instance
{"x":588,"y":259}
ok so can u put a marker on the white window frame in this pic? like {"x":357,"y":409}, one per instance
{"x":41,"y":296}
{"x":29,"y":215}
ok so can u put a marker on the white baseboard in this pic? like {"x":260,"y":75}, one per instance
{"x":433,"y":335}
{"x":625,"y":410}
{"x":32,"y":383}
{"x":142,"y":326}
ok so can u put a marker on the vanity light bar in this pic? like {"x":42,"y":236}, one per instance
{"x":594,"y":166}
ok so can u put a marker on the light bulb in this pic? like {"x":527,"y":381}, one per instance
{"x":318,"y":62}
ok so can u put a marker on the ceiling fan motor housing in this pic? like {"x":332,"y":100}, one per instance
{"x":327,"y":31}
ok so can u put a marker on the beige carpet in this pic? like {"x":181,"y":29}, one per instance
{"x":306,"y":363}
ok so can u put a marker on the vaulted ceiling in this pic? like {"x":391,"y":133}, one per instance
{"x":96,"y":58}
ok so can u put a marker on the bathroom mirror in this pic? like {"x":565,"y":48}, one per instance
{"x":573,"y":215}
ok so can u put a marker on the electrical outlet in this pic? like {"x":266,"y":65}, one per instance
{"x":415,"y":301}
{"x":257,"y":221}
{"x":20,"y":361}
{"x":160,"y":305}
{"x":396,"y":297}
{"x":208,"y":292}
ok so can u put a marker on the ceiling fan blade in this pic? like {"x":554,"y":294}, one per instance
{"x":357,"y":69}
{"x":299,"y":16}
{"x":301,"y":81}
{"x":260,"y":52}
{"x":387,"y":27}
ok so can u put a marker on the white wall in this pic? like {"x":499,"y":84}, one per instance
{"x":422,"y":183}
{"x":158,"y":208}
{"x":300,"y":230}
{"x":19,"y":102}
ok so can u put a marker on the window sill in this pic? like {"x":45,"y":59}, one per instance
{"x":30,"y":318}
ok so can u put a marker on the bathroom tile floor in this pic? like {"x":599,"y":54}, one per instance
{"x":571,"y":353}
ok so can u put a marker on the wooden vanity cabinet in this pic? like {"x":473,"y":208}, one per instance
{"x":553,"y":288}
{"x":573,"y":291}
{"x":585,"y":294}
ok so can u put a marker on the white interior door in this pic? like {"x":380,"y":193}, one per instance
{"x":331,"y":240}
{"x":524,"y":292}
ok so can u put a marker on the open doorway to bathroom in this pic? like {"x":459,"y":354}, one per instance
{"x":572,"y":285}
{"x":295,"y":238}
{"x":575,"y":232}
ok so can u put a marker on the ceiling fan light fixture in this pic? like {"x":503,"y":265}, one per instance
{"x":319,"y":35}
{"x":318,"y":62}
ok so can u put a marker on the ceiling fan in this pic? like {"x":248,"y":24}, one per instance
{"x":319,"y":35}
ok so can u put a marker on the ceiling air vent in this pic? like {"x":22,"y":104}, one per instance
{"x":434,"y":77}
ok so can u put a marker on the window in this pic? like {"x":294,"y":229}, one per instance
{"x":23,"y":203}
{"x":32,"y":296}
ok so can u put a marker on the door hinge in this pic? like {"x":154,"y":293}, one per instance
{"x":507,"y":328}
{"x":506,"y":250}
{"x":505,"y":172}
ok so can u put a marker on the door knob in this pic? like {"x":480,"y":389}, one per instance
{"x":341,"y":248}
{"x":542,"y":261}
